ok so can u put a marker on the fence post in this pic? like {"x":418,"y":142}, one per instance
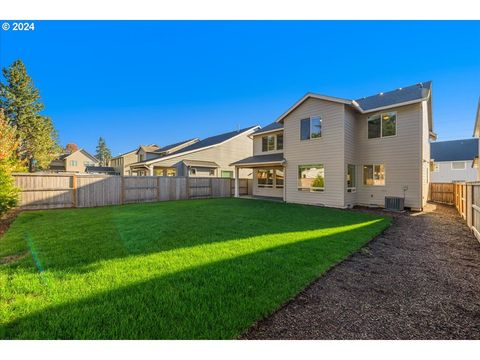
{"x":122,"y":189}
{"x":158,"y":188}
{"x":469,"y":197}
{"x":74,"y":190}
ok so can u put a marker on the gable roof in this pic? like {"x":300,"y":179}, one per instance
{"x":83,"y":151}
{"x":269,"y":128}
{"x":454,"y":150}
{"x":405,"y":95}
{"x":175,"y":145}
{"x":125,"y":153}
{"x":476,"y":129}
{"x":201,"y":145}
{"x":399,"y":97}
{"x":148,"y":148}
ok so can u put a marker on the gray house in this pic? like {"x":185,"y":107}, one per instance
{"x":454,"y":161}
{"x":338,"y":152}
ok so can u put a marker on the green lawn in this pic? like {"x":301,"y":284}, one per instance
{"x":171,"y":270}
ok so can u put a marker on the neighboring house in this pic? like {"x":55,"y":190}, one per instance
{"x":104,"y":170}
{"x":121,"y":163}
{"x":210,"y":157}
{"x":454,"y":161}
{"x":75,"y":162}
{"x":341,"y":153}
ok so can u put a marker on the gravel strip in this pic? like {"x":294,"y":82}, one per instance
{"x":420,"y":279}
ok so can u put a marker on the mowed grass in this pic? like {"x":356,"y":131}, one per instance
{"x":205,"y":269}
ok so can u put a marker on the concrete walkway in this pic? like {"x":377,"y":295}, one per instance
{"x":418,"y":280}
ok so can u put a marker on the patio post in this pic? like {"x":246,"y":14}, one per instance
{"x":237,"y":182}
{"x":150,"y":169}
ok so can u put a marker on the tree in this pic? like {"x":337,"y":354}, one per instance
{"x":103,"y":152}
{"x":71,"y":148}
{"x":22,"y":104}
{"x":8,"y":163}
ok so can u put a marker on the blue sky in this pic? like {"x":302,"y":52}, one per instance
{"x":140,"y":82}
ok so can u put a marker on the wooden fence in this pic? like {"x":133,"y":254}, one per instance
{"x":47,"y":191}
{"x":465,"y":197}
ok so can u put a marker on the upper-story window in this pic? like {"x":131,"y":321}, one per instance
{"x":272,"y":142}
{"x":458,"y":165}
{"x":311,"y":128}
{"x":382,"y":125}
{"x":73,"y":162}
{"x":140,"y":157}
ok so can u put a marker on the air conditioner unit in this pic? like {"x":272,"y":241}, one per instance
{"x":394,"y":203}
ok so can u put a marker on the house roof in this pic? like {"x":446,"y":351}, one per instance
{"x":148,"y":148}
{"x":106,"y":169}
{"x":399,"y":97}
{"x":260,"y":159}
{"x":173,"y":146}
{"x":454,"y":150}
{"x":269,"y":128}
{"x":208,"y":164}
{"x":200,"y":145}
{"x":83,"y":151}
{"x":476,"y":129}
{"x":125,"y":153}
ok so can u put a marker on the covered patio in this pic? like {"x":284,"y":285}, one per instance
{"x":268,"y":175}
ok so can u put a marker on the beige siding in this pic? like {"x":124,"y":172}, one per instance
{"x":80,"y":158}
{"x":257,"y":144}
{"x":425,"y":153}
{"x":351,"y":127}
{"x":401,"y":155}
{"x":327,"y":150}
{"x":122,"y":164}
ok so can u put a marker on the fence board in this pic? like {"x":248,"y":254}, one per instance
{"x":442,"y":193}
{"x":44,"y":191}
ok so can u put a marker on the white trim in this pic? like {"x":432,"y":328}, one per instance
{"x":275,"y":143}
{"x":315,"y":96}
{"x":153,"y":161}
{"x":267,"y":132}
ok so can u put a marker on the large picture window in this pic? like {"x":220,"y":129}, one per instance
{"x":265,"y":178}
{"x":279,"y":176}
{"x":351,"y":178}
{"x":311,"y":128}
{"x":311,"y":177}
{"x":382,"y":125}
{"x":374,"y":175}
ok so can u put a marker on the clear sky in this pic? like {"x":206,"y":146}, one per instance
{"x":139,"y":82}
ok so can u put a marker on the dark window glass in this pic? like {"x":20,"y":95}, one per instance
{"x":280,"y":142}
{"x":304,"y":129}
{"x":264,"y":143}
{"x":389,"y":126}
{"x":374,"y":127}
{"x":316,"y":127}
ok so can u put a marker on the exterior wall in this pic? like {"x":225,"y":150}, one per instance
{"x":327,"y":150}
{"x":122,"y":163}
{"x":233,"y":150}
{"x":80,"y":158}
{"x":401,"y":155}
{"x":425,"y":152}
{"x":350,"y":156}
{"x":446,"y":174}
{"x":257,"y":144}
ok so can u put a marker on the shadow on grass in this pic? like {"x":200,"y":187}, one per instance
{"x":74,"y":240}
{"x":215,"y":301}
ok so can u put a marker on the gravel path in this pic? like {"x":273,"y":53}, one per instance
{"x":418,"y":280}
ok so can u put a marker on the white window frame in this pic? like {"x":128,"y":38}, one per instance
{"x":73,"y":163}
{"x":381,"y":124}
{"x":464,"y":165}
{"x":311,"y":189}
{"x":352,"y":189}
{"x":275,"y":143}
{"x":384,"y":175}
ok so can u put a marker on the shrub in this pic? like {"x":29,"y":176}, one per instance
{"x":8,"y":192}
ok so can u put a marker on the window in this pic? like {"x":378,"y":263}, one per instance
{"x":265,"y":178}
{"x":311,"y":177}
{"x":280,"y":142}
{"x":351,"y":178}
{"x":279,"y":176}
{"x":193,"y":171}
{"x":140,"y":157}
{"x":73,"y":162}
{"x":374,"y":175}
{"x":212,"y":172}
{"x":310,"y":128}
{"x":458,"y":165}
{"x":382,"y":125}
{"x":227,"y":174}
{"x":171,"y":172}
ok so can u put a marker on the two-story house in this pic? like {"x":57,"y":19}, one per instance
{"x":74,"y":162}
{"x":340,"y":153}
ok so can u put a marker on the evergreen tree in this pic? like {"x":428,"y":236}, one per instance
{"x":103,"y":152}
{"x":22,"y":104}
